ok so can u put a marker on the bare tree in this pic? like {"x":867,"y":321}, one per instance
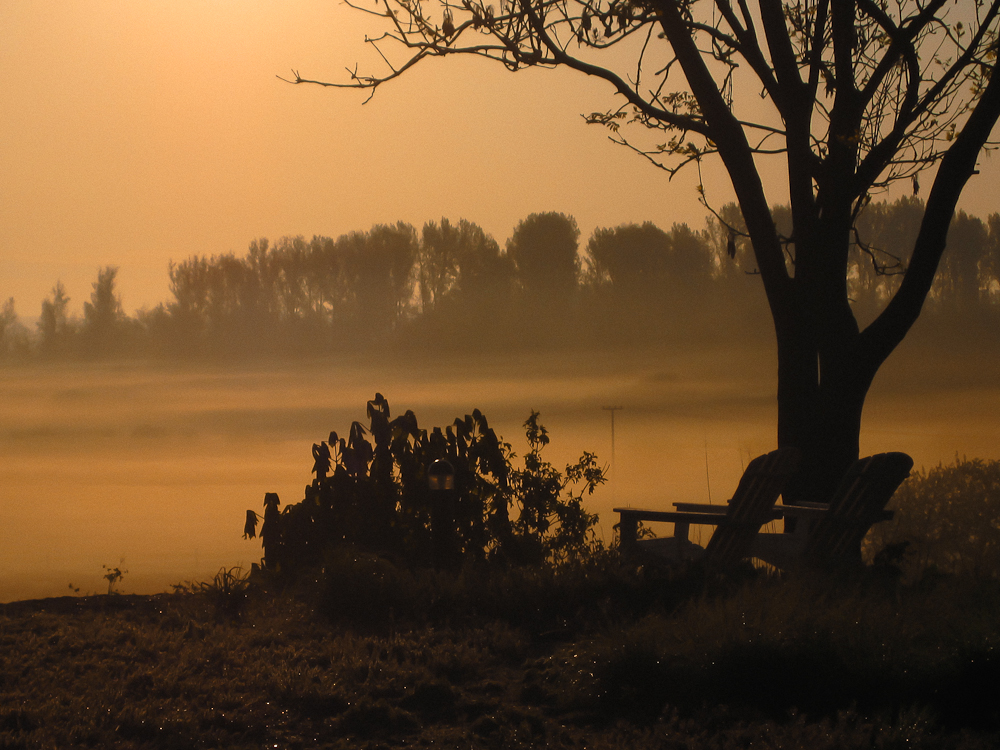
{"x":859,"y":94}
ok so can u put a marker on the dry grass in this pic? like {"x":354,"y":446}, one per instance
{"x":167,"y":671}
{"x":188,"y":671}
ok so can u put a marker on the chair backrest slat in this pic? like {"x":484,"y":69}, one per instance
{"x":750,"y":508}
{"x":857,"y":504}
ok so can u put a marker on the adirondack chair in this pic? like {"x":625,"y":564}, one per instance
{"x":737,"y":522}
{"x":829,"y":536}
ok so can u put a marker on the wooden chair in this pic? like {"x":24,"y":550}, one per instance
{"x":829,"y":536}
{"x":737,"y":522}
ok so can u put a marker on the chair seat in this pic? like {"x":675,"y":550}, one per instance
{"x":736,"y":523}
{"x":671,"y":548}
{"x":829,"y":536}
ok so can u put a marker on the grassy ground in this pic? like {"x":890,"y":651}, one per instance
{"x":763,"y":664}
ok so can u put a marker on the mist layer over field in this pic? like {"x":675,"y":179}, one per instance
{"x":152,"y":469}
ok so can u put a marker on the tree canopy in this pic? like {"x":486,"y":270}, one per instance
{"x":543,"y":249}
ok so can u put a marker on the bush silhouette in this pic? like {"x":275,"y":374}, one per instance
{"x":946,"y":520}
{"x":370,"y":494}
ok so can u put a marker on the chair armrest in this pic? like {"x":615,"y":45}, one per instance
{"x":702,"y":508}
{"x":678,"y":516}
{"x":682,"y":520}
{"x":669,"y":516}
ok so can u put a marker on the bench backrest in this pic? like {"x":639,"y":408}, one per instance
{"x":751,"y":506}
{"x":858,"y":503}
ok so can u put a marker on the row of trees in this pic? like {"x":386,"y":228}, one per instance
{"x":104,"y":329}
{"x":452,"y":285}
{"x":967,"y":278}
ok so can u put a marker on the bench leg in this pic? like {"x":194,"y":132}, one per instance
{"x":628,"y":531}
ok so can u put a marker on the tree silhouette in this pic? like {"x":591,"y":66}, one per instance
{"x":379,"y":267}
{"x":461,"y":261}
{"x":188,"y":313}
{"x":14,"y":341}
{"x":992,"y":268}
{"x":8,"y":318}
{"x":326,"y":281}
{"x":854,"y":96}
{"x":688,"y":265}
{"x":963,"y":267}
{"x":103,"y":317}
{"x":54,"y":325}
{"x":437,"y":263}
{"x":543,"y":248}
{"x":631,"y":258}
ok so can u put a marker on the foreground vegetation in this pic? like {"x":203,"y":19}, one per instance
{"x":536,"y":635}
{"x":619,"y":658}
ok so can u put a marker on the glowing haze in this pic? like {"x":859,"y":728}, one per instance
{"x":136,"y":133}
{"x":133,"y":133}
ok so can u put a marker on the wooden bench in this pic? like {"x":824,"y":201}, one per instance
{"x":737,"y":522}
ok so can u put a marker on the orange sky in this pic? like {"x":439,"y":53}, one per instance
{"x":133,"y":133}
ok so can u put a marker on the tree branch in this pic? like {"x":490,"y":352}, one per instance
{"x":730,"y":139}
{"x":957,"y":166}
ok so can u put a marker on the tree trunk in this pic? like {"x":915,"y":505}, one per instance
{"x":825,"y":426}
{"x":821,"y":396}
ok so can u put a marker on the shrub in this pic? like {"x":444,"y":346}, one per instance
{"x":374,"y":496}
{"x":808,"y":645}
{"x":948,"y":518}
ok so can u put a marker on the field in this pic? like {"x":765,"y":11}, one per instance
{"x":759,"y":663}
{"x":151,"y":469}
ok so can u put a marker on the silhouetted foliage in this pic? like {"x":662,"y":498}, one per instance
{"x":946,"y":519}
{"x":371,"y":492}
{"x":543,"y":249}
{"x":54,"y":325}
{"x":549,"y":524}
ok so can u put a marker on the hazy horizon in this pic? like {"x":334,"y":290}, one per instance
{"x":157,"y":465}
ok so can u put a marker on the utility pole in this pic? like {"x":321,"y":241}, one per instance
{"x":614,"y":484}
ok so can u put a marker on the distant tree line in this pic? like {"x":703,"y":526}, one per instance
{"x":452,"y":287}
